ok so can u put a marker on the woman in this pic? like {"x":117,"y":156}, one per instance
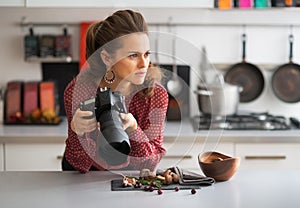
{"x":118,"y":55}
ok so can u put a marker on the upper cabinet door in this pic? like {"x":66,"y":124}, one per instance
{"x":12,"y":3}
{"x":122,"y":3}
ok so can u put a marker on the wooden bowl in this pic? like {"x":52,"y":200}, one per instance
{"x":219,"y":166}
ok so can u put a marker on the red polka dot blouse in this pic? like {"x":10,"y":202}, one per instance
{"x":146,"y":142}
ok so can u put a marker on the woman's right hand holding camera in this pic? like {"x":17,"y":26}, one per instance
{"x":83,"y":122}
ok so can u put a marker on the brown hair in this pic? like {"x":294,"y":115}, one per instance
{"x":101,"y":34}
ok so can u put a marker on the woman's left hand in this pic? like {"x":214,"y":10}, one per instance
{"x":129,"y":122}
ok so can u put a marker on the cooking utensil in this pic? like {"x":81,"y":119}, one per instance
{"x":286,"y":79}
{"x":63,"y":44}
{"x":178,"y":107}
{"x":246,"y":75}
{"x":156,"y":45}
{"x":219,"y":98}
{"x":174,"y":85}
{"x":47,"y":46}
{"x":31,"y":42}
{"x":207,"y":73}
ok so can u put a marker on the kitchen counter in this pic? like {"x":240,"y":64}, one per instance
{"x":71,"y":189}
{"x":173,"y":130}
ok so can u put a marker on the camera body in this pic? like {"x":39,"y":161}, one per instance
{"x":105,"y":99}
{"x":113,"y":143}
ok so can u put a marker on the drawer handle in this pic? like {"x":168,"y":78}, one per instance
{"x":178,"y":157}
{"x":270,"y":157}
{"x":59,"y":157}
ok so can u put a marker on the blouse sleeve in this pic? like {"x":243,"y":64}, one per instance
{"x":146,"y":141}
{"x":76,"y":147}
{"x":80,"y":151}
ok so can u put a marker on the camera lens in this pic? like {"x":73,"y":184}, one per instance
{"x":114,"y":145}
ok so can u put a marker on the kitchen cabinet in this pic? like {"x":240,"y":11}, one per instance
{"x":12,"y":3}
{"x":121,"y":3}
{"x":41,"y":148}
{"x":33,"y":156}
{"x":268,"y":156}
{"x":1,"y":158}
{"x":184,"y":153}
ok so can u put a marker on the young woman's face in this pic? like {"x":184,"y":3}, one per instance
{"x":132,"y":60}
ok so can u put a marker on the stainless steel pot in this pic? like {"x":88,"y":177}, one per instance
{"x":219,"y":99}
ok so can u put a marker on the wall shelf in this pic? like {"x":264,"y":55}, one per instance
{"x":166,"y":24}
{"x":49,"y":59}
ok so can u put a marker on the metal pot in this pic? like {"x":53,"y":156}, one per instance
{"x":219,"y":99}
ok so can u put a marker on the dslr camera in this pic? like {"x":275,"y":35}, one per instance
{"x":113,"y":142}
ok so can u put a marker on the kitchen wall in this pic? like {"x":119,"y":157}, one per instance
{"x":220,"y":32}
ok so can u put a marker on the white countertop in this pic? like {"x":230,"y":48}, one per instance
{"x":173,"y":130}
{"x":259,"y":189}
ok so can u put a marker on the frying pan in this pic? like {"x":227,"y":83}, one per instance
{"x":286,"y":79}
{"x":246,"y":75}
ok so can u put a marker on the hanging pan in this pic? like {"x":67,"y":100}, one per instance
{"x":246,"y":75}
{"x":286,"y":79}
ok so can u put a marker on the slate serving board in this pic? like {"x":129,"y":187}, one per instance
{"x":116,"y":185}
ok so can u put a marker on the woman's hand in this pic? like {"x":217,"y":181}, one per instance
{"x":80,"y":124}
{"x":129,"y":122}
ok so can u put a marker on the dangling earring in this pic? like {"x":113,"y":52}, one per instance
{"x":110,"y":80}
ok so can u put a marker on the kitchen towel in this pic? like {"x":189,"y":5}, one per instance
{"x":187,"y":177}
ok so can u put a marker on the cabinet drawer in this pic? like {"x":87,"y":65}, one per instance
{"x":185,"y":155}
{"x":268,"y":156}
{"x":1,"y":157}
{"x":33,"y":157}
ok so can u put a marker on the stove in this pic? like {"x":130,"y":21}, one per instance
{"x":242,"y":121}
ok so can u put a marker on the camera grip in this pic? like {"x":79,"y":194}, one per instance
{"x":88,"y":105}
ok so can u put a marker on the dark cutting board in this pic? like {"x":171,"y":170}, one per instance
{"x":116,"y":185}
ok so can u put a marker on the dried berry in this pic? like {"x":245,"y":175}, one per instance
{"x":152,"y":184}
{"x":193,"y":191}
{"x":151,"y":188}
{"x":176,"y":188}
{"x":159,"y":191}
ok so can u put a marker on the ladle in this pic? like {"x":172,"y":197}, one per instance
{"x":174,"y":85}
